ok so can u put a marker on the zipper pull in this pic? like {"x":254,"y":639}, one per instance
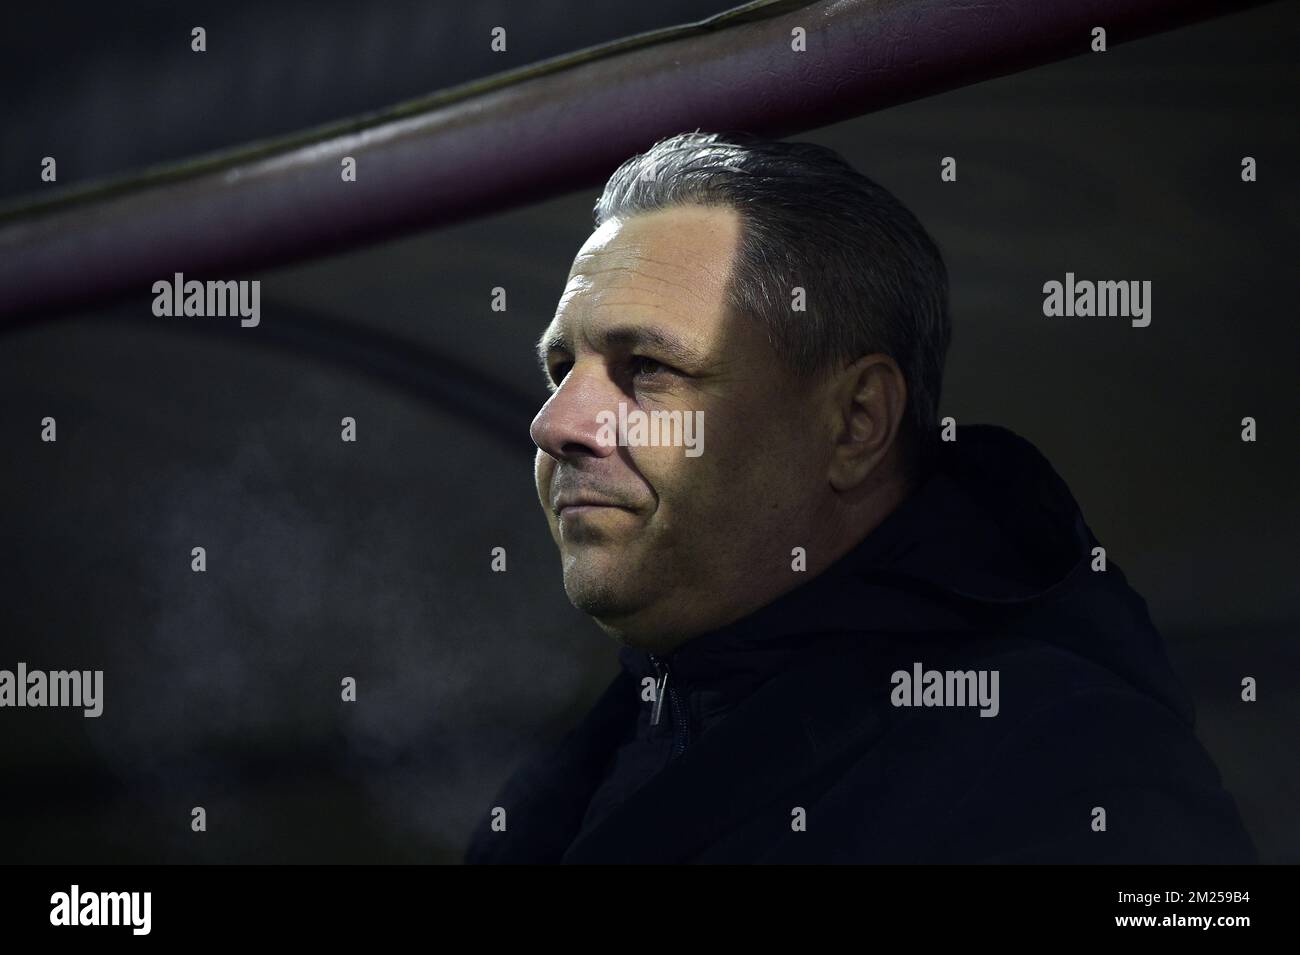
{"x":661,"y":689}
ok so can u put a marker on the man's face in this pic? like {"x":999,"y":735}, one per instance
{"x":658,"y":545}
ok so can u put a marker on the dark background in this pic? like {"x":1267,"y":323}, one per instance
{"x":372,"y":559}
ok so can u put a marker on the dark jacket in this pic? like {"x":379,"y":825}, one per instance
{"x":778,"y":738}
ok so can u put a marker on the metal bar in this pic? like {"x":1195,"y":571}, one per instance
{"x":545,"y":130}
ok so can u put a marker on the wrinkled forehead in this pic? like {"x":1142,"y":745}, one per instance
{"x":674,"y":264}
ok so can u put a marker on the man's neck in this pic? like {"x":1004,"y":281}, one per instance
{"x":839,"y":533}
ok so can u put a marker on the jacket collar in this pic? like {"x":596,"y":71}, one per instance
{"x":993,"y":527}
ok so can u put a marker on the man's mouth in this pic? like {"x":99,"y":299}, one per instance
{"x":573,"y":503}
{"x":577,"y":506}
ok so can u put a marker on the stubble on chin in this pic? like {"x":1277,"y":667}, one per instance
{"x":594,"y":591}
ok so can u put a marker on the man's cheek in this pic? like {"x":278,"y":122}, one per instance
{"x":658,"y":468}
{"x":679,"y":485}
{"x":543,"y":470}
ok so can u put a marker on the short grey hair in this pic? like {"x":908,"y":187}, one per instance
{"x":875,"y":281}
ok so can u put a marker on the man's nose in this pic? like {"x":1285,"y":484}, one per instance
{"x":567,"y":425}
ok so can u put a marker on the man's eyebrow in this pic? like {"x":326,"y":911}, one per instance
{"x":547,"y":344}
{"x":675,"y":348}
{"x":667,"y":343}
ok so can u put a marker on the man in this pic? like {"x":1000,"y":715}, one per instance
{"x":842,"y":638}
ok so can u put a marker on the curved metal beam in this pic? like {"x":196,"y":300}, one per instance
{"x":541,"y":131}
{"x":499,"y":409}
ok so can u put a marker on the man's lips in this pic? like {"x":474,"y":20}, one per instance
{"x":585,"y":504}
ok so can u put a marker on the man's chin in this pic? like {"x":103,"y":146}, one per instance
{"x":604,"y":582}
{"x":627,"y":614}
{"x":599,"y":598}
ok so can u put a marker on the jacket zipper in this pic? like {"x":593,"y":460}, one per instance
{"x":681,"y":717}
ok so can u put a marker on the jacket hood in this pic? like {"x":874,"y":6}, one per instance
{"x":992,"y":535}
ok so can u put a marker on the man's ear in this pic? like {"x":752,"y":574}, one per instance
{"x":869,"y":397}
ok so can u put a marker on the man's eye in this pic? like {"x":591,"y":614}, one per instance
{"x":642,"y":365}
{"x":559,"y":370}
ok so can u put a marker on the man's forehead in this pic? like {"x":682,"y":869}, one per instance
{"x":688,"y":238}
{"x":671,"y":263}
